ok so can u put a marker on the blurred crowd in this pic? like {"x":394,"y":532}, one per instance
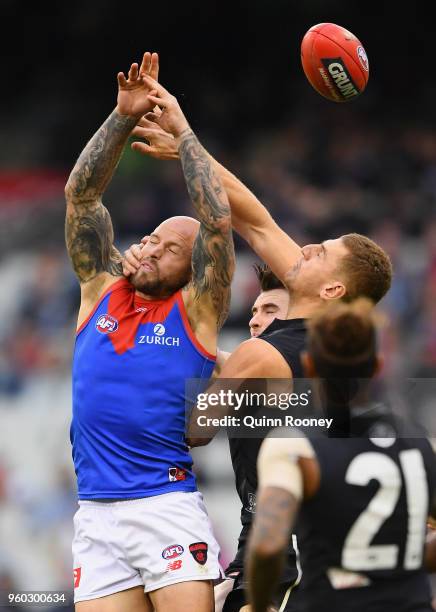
{"x":319,"y":177}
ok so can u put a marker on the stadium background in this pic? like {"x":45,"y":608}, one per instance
{"x":322,"y":169}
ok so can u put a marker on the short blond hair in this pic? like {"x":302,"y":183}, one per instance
{"x":367,"y":268}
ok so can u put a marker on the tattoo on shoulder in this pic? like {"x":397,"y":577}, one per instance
{"x":213,"y":257}
{"x":89,"y":237}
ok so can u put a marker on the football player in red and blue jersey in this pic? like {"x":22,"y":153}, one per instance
{"x":143,"y":540}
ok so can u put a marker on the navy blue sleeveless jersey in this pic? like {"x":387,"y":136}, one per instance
{"x":131,"y":360}
{"x":362,"y":535}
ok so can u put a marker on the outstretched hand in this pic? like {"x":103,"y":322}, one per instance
{"x":159,"y":144}
{"x":171,"y":119}
{"x":133,"y":91}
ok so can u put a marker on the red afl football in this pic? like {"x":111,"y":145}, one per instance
{"x":334,"y":62}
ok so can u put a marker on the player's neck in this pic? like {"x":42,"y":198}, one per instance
{"x":303,"y":309}
{"x":152,"y":298}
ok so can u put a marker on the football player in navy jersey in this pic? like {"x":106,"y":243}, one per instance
{"x":343,"y":268}
{"x":362,"y":500}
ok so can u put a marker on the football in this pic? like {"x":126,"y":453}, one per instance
{"x":334,"y":62}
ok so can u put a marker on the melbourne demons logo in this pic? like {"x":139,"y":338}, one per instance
{"x":106,"y":324}
{"x":199,"y":551}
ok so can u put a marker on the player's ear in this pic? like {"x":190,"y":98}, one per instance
{"x":332,"y":291}
{"x":308,"y":365}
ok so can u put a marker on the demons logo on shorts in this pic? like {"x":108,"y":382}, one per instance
{"x":199,"y":551}
{"x":175,"y":474}
{"x":77,"y":573}
{"x":106,"y":324}
{"x":173,"y":551}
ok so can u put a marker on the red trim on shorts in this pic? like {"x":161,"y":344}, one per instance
{"x":188,"y":328}
{"x":98,"y":302}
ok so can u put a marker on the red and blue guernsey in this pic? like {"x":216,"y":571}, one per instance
{"x":131,"y":360}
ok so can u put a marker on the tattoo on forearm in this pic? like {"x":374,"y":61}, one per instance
{"x":89,"y":232}
{"x":97,"y":162}
{"x":272,"y":517}
{"x":213,"y":257}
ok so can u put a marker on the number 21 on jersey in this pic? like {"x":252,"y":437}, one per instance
{"x":358,"y":554}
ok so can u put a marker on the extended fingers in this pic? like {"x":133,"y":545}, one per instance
{"x":144,"y":148}
{"x":146,"y":122}
{"x":146,"y":63}
{"x":154,"y":66}
{"x":121,"y":79}
{"x":161,"y":102}
{"x":133,"y":72}
{"x":145,"y":132}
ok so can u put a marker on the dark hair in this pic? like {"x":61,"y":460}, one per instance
{"x":267,"y":279}
{"x":342,"y":340}
{"x":367,"y":267}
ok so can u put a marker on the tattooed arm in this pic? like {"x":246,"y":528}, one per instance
{"x":287,"y":472}
{"x":213,"y":257}
{"x":213,"y":260}
{"x":89,"y":231}
{"x":271,"y":532}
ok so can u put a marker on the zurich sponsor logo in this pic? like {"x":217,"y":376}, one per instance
{"x":361,"y":54}
{"x":173,"y":551}
{"x":106,"y":324}
{"x":159,"y":337}
{"x":159,"y":329}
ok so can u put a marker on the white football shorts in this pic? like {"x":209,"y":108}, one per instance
{"x":151,"y":542}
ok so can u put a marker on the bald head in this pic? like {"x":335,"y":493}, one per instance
{"x":185,"y":228}
{"x":166,"y":257}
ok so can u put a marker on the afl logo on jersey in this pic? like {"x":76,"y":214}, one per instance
{"x":159,"y":329}
{"x":106,"y":324}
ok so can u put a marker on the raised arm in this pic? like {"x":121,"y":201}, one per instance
{"x":213,"y":257}
{"x":88,"y":230}
{"x":207,"y":297}
{"x":249,"y":217}
{"x":254,"y":223}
